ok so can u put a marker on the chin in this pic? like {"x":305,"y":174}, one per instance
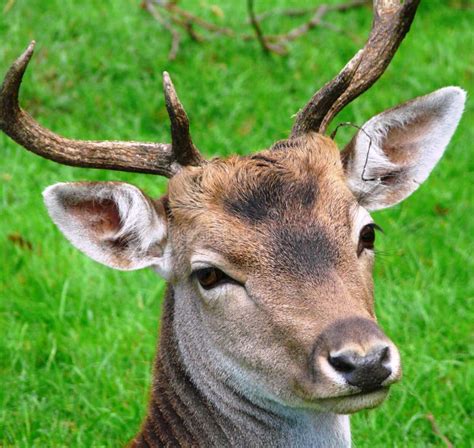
{"x":357,"y":402}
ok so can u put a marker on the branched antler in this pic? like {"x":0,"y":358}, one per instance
{"x":392,"y":20}
{"x":156,"y":158}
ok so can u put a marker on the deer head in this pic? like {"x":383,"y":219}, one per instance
{"x":269,"y":256}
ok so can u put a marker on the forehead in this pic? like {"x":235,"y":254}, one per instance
{"x":285,"y":201}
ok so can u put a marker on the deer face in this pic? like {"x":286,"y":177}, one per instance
{"x":275,"y":279}
{"x":270,"y":256}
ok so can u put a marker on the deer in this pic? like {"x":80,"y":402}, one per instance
{"x":268,"y":335}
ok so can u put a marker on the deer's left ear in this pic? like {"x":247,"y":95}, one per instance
{"x":395,"y":151}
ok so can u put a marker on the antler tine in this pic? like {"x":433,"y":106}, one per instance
{"x":154,"y":158}
{"x":392,"y":20}
{"x":186,"y":153}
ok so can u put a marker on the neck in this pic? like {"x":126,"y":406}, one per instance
{"x":191,"y":406}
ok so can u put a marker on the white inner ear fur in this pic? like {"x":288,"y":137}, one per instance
{"x":405,"y":143}
{"x":113,"y":223}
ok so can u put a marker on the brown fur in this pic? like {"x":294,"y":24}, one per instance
{"x":283,"y":223}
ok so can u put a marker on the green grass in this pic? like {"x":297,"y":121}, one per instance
{"x":77,"y":340}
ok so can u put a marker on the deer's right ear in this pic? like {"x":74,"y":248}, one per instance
{"x":396,"y":150}
{"x":112,"y":222}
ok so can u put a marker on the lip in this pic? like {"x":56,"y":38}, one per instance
{"x":362,"y":393}
{"x":307,"y":392}
{"x":350,"y":403}
{"x":347,"y":402}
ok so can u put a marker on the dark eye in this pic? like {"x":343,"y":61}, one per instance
{"x":209,"y":278}
{"x":367,"y":237}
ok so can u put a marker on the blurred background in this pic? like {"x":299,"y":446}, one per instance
{"x":78,"y":339}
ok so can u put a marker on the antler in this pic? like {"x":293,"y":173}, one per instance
{"x":155,"y":158}
{"x":392,"y":20}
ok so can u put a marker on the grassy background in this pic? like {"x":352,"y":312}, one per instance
{"x":77,"y":339}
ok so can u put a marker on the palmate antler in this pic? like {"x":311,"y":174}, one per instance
{"x":155,"y":158}
{"x":392,"y":20}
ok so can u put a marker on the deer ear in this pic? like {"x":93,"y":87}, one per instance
{"x":395,"y":151}
{"x":112,"y":222}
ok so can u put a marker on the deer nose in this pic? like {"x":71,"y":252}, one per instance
{"x":366,"y":371}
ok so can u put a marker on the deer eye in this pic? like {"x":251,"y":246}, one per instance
{"x":209,"y":278}
{"x":367,"y":237}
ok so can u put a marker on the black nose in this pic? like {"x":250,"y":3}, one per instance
{"x":364,"y":371}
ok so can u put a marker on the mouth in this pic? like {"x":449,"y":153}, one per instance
{"x":342,"y":400}
{"x":350,"y":403}
{"x":366,"y":392}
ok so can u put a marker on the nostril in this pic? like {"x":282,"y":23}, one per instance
{"x":342,"y":363}
{"x":367,"y":371}
{"x":385,"y":355}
